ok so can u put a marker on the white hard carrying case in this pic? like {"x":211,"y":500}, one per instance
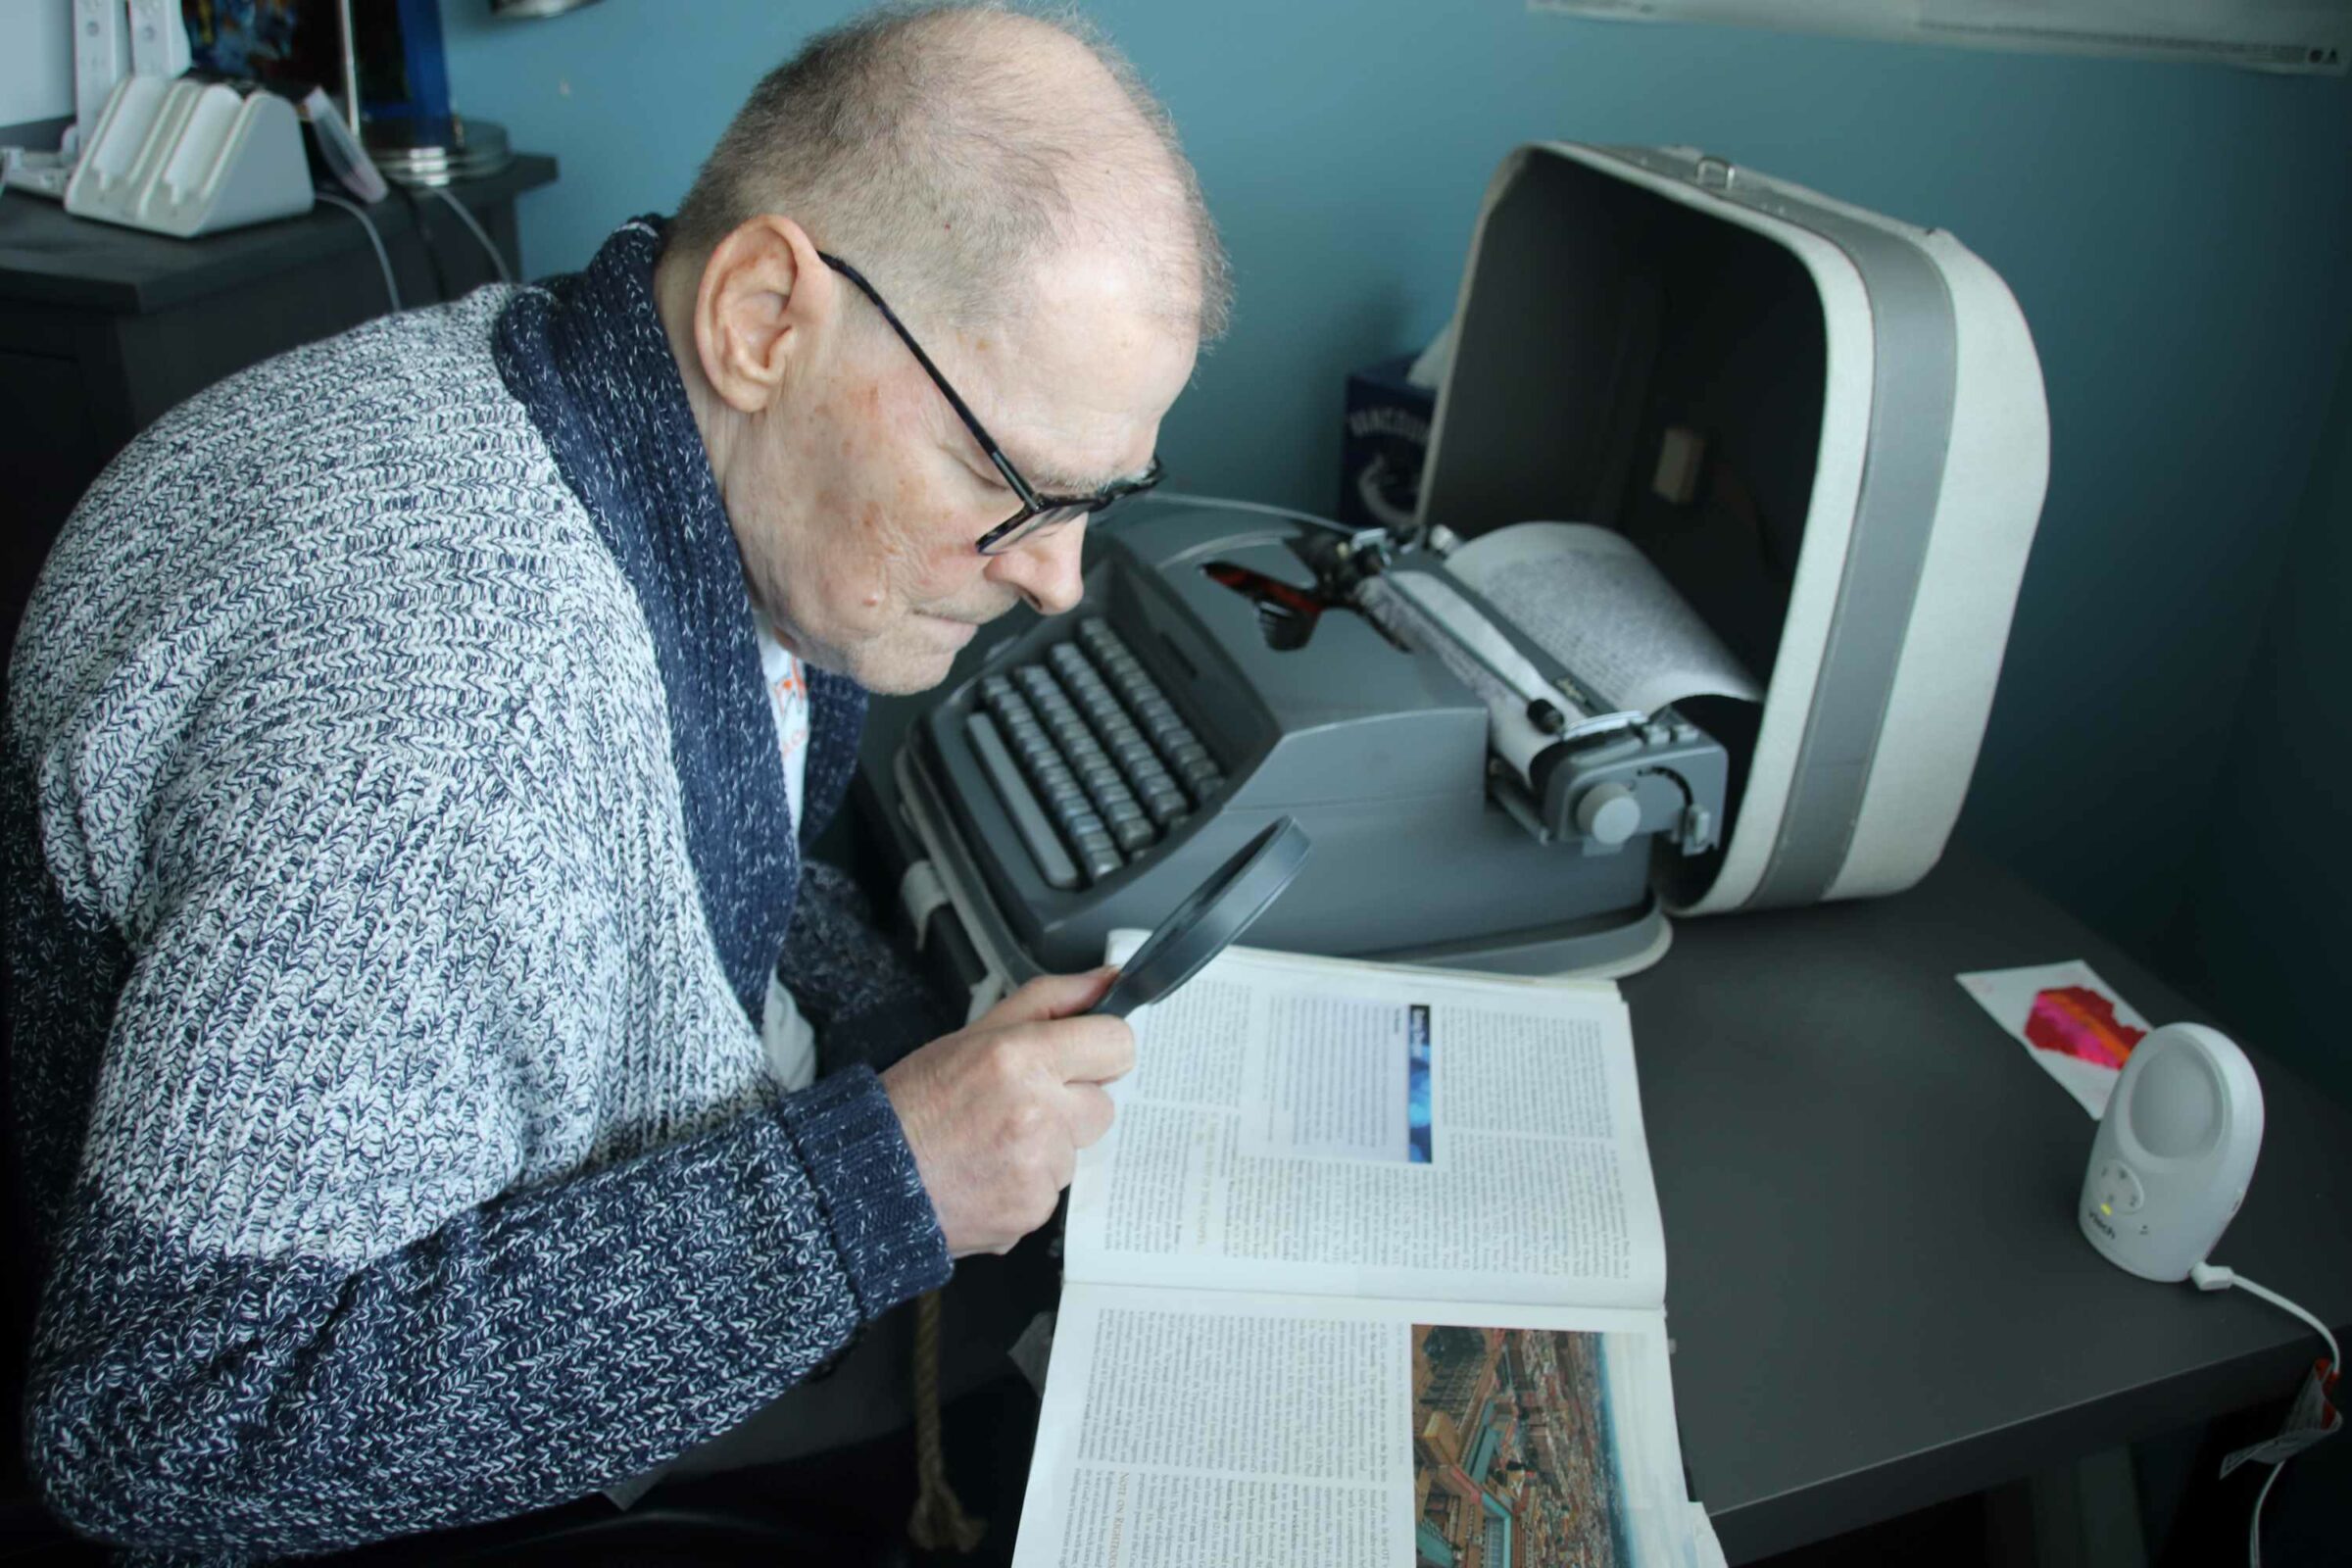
{"x":1876,"y":446}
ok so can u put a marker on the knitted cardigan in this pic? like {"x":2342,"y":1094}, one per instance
{"x":397,"y":851}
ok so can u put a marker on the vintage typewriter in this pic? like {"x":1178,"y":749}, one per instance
{"x":1224,"y":671}
{"x":1826,"y":431}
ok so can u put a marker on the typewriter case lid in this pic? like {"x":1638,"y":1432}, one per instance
{"x":1871,"y":447}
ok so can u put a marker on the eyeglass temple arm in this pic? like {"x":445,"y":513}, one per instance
{"x":963,"y":411}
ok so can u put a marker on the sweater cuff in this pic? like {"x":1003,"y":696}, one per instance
{"x":884,"y":1226}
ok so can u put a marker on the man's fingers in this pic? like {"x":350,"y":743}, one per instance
{"x":1093,"y":1051}
{"x":1086,"y":1110}
{"x":1054,"y":996}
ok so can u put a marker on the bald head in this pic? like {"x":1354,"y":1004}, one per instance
{"x":956,"y":154}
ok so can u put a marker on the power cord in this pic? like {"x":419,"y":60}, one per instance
{"x":383,"y":258}
{"x":2212,"y":1277}
{"x":468,"y":218}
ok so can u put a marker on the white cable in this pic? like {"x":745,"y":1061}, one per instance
{"x":2254,"y":1523}
{"x":2334,"y":1358}
{"x":457,"y":207}
{"x":383,"y":258}
{"x":2213,"y":1276}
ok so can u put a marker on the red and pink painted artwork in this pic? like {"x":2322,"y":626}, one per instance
{"x":2073,"y":1025}
{"x":2078,"y":1021}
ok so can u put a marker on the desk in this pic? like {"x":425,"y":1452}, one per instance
{"x":1875,"y":1285}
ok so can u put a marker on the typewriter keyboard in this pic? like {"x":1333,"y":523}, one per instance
{"x":1089,"y":757}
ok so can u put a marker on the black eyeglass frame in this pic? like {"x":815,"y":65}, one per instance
{"x":1039,"y":512}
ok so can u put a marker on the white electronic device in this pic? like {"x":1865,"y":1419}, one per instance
{"x":159,"y":38}
{"x":185,"y":158}
{"x":101,"y":59}
{"x":2174,"y":1152}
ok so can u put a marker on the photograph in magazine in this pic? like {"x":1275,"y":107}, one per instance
{"x":1515,"y":1458}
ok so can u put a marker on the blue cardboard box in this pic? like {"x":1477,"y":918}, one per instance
{"x":1384,"y":445}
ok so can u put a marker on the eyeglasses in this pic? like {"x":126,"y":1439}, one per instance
{"x":1039,"y":512}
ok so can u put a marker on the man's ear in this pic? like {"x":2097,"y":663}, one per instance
{"x":764,"y":300}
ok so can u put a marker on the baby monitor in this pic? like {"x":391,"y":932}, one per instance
{"x":2174,"y":1152}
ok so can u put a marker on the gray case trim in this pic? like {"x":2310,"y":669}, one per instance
{"x":1914,"y":363}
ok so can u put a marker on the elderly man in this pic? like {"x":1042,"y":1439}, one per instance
{"x":413,"y":743}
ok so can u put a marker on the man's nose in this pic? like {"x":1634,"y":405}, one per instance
{"x":1045,"y":570}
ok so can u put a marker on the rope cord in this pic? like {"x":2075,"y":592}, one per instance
{"x":938,"y":1522}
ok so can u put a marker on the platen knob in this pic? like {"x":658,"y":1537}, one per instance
{"x":1608,"y":813}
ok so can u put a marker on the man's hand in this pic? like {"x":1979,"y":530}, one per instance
{"x":997,"y":1113}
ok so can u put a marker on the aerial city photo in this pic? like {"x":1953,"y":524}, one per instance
{"x":1512,"y":1451}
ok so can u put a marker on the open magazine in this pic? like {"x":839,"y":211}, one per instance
{"x":1368,"y":1271}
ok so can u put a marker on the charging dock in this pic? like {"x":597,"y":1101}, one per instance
{"x":186,"y":158}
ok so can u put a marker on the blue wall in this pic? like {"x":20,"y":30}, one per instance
{"x":2179,"y":237}
{"x":2263,"y":934}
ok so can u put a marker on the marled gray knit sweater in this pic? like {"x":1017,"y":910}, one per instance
{"x":397,"y":852}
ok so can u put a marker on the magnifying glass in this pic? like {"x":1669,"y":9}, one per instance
{"x":1217,"y":911}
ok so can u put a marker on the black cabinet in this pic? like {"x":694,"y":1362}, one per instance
{"x":102,"y":328}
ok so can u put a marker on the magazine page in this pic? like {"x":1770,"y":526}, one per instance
{"x":1190,"y":1427}
{"x":1328,"y":1126}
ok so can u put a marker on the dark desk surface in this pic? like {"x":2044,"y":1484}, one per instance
{"x":50,"y":258}
{"x":1875,"y":1284}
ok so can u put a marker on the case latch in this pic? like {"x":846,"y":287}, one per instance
{"x":1714,"y":173}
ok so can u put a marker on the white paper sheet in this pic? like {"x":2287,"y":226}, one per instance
{"x":2069,"y":1020}
{"x":1596,"y":604}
